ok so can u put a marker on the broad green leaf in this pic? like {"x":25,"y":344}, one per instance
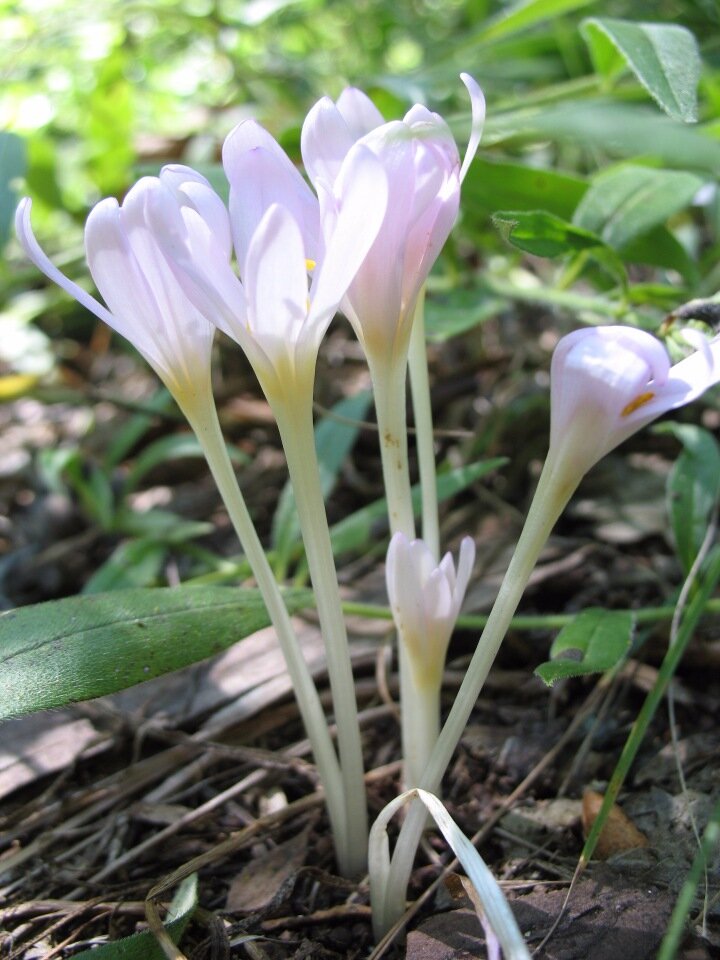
{"x":594,"y":642}
{"x":335,"y":436}
{"x":543,"y":234}
{"x":609,"y":128}
{"x":498,"y":185}
{"x":526,"y":14}
{"x":358,"y":530}
{"x":144,"y":946}
{"x":664,"y":57}
{"x":67,"y":650}
{"x":693,"y":488}
{"x":458,"y":312}
{"x":627,"y":201}
{"x":13,"y":162}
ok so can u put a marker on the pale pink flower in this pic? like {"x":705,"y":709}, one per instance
{"x":425,"y":599}
{"x":608,"y":382}
{"x":289,"y":284}
{"x":146,"y":301}
{"x":424,"y":173}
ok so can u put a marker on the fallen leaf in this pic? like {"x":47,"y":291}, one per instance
{"x":619,"y":832}
{"x":267,"y":880}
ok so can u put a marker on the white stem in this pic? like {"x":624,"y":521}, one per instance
{"x":203,"y":419}
{"x":420,"y":722}
{"x":294,"y":418}
{"x":388,"y":381}
{"x":552,"y":494}
{"x":424,"y":441}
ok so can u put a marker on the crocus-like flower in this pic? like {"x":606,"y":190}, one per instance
{"x":424,"y":172}
{"x":425,"y":599}
{"x":608,"y":382}
{"x":146,"y":302}
{"x":271,"y":310}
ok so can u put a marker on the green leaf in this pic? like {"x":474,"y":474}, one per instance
{"x":136,"y":563}
{"x":498,"y":185}
{"x":543,"y":234}
{"x":611,"y":128}
{"x":180,"y":446}
{"x":67,"y":650}
{"x":693,"y":488}
{"x":458,"y":312}
{"x":664,"y":58}
{"x":335,"y":436}
{"x":360,"y":529}
{"x":627,"y":201}
{"x":13,"y":162}
{"x":144,"y":946}
{"x":595,"y":641}
{"x":524,"y":15}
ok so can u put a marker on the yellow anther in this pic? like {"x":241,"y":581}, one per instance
{"x":638,"y":402}
{"x":310,"y":265}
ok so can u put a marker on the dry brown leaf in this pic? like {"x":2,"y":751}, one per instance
{"x":619,"y":832}
{"x":267,"y":880}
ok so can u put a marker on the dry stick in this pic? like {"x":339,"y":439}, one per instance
{"x":586,"y":709}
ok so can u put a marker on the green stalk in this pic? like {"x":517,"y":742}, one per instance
{"x":295,"y":422}
{"x":422,"y":413}
{"x":552,"y":494}
{"x":204,"y":421}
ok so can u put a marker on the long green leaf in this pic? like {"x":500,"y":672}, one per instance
{"x":627,"y":201}
{"x":526,"y":14}
{"x":595,"y":641}
{"x":664,"y":58}
{"x":67,"y":650}
{"x":144,"y":946}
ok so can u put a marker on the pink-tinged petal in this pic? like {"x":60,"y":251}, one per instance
{"x":607,"y":383}
{"x":34,"y":251}
{"x":325,"y":141}
{"x":191,"y":191}
{"x":276,"y":285}
{"x":466,"y":562}
{"x":259,"y":179}
{"x":121,"y":282}
{"x":359,"y":112}
{"x":477,"y":101}
{"x":199,"y":258}
{"x":363,"y":191}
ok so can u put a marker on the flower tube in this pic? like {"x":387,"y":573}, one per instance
{"x":134,"y":251}
{"x":425,"y":598}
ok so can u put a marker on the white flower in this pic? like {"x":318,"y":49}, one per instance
{"x":608,"y":382}
{"x":422,"y":165}
{"x":128,"y":258}
{"x":425,"y":599}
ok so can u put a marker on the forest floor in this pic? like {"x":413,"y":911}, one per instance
{"x":207,"y":770}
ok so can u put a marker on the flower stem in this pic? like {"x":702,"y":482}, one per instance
{"x":388,"y":379}
{"x":204,"y":421}
{"x":422,"y":413}
{"x":420,"y":723}
{"x":553,"y":492}
{"x":294,"y":419}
